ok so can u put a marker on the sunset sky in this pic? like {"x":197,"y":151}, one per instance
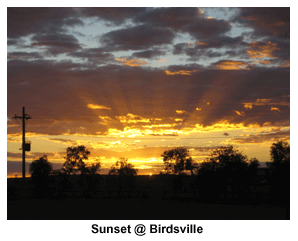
{"x":134,"y":82}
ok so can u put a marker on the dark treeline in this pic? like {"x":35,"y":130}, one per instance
{"x":226,"y":177}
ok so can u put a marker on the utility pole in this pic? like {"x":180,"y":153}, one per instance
{"x":24,"y":147}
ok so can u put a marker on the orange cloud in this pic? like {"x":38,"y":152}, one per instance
{"x":275,"y":108}
{"x":222,"y":125}
{"x":261,"y":50}
{"x":181,"y":72}
{"x":239,"y":113}
{"x":180,"y":111}
{"x":101,"y":107}
{"x":264,"y":102}
{"x":285,"y":64}
{"x":231,"y":65}
{"x":158,"y":126}
{"x":105,"y":120}
{"x":191,"y":44}
{"x":248,"y":105}
{"x":131,"y":118}
{"x":132,"y":62}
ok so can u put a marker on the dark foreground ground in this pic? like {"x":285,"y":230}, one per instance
{"x":150,"y":198}
{"x":137,"y":209}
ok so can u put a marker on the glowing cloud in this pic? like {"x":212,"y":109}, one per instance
{"x":239,"y":113}
{"x":180,"y":111}
{"x":132,"y":62}
{"x":248,"y":105}
{"x":261,"y":50}
{"x":275,"y":108}
{"x":105,"y":120}
{"x":231,"y":65}
{"x":264,"y":102}
{"x":131,"y":118}
{"x":181,"y":72}
{"x":101,"y":107}
{"x":158,"y":126}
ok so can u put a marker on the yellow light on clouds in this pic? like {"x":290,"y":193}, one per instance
{"x":101,"y":107}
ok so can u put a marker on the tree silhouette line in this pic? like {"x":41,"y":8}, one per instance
{"x":226,"y":175}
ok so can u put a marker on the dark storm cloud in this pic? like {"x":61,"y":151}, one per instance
{"x":48,"y":92}
{"x":196,"y":55}
{"x":25,"y":21}
{"x":207,"y":28}
{"x":96,"y":55}
{"x":175,"y":18}
{"x":187,"y":20}
{"x":272,"y":22}
{"x":223,"y":41}
{"x":160,"y":25}
{"x":116,"y":16}
{"x":24,"y":55}
{"x":196,"y":50}
{"x":149,"y":54}
{"x":137,"y":38}
{"x":240,"y":53}
{"x":12,"y":42}
{"x":56,"y":43}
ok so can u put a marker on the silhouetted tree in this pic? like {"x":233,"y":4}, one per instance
{"x":74,"y":162}
{"x":94,"y":168}
{"x":89,"y":178}
{"x":40,"y":171}
{"x":279,"y":175}
{"x":280,"y":155}
{"x":178,"y":160}
{"x":125,"y":172}
{"x":227,"y":166}
{"x":123,"y":168}
{"x":254,"y":164}
{"x":40,"y":168}
{"x":280,"y":165}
